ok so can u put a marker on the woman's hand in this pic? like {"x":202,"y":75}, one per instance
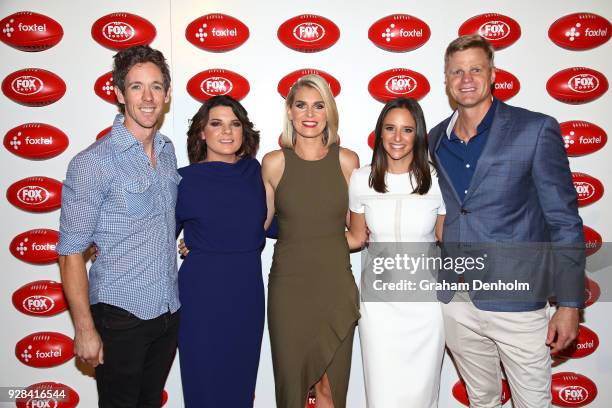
{"x":182,"y":248}
{"x":358,"y":234}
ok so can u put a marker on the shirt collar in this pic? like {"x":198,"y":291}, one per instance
{"x":123,"y":139}
{"x":484,"y":124}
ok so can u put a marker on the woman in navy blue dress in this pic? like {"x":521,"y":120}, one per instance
{"x":221,"y":207}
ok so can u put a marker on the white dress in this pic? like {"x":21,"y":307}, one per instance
{"x":402,"y":343}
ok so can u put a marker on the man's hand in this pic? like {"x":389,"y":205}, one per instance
{"x":562,"y":329}
{"x":88,"y":347}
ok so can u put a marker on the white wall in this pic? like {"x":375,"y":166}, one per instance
{"x":263,"y":60}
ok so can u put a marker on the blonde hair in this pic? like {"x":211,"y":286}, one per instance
{"x":467,"y":42}
{"x":330,"y":133}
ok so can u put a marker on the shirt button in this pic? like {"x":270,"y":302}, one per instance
{"x":465,"y":191}
{"x":467,"y":166}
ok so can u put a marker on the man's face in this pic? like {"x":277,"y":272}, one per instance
{"x":469,"y":77}
{"x":144,"y":97}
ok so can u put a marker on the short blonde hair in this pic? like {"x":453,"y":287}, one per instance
{"x":467,"y":42}
{"x":330,"y":133}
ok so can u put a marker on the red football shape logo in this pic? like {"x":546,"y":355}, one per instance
{"x":44,"y":349}
{"x":592,"y":291}
{"x":122,"y":30}
{"x":28,"y":31}
{"x":580,"y":137}
{"x":501,"y":31}
{"x":213,"y":82}
{"x":104,"y":132}
{"x":35,"y":141}
{"x":398,"y":82}
{"x":308,"y":33}
{"x":460,"y":392}
{"x":371,"y":140}
{"x":51,"y":394}
{"x":572,"y":390}
{"x":580,"y":31}
{"x":164,"y":397}
{"x":577,"y":85}
{"x":104,"y":88}
{"x":286,"y":82}
{"x":36,"y":194}
{"x":33,"y":87}
{"x":506,"y":85}
{"x":36,"y":246}
{"x":589,"y":189}
{"x":592,"y":240}
{"x":585,"y":345}
{"x":217,"y":32}
{"x":399,"y":33}
{"x":40,"y":298}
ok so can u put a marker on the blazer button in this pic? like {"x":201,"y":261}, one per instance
{"x":464,"y":211}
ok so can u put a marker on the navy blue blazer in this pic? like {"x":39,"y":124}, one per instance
{"x":521,"y":194}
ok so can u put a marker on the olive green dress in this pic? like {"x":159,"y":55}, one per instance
{"x":313,"y":302}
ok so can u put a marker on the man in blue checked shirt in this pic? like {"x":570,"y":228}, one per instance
{"x":119,"y":194}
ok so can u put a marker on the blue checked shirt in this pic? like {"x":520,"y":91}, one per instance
{"x":113,"y":197}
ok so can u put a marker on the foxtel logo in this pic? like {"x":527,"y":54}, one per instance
{"x":504,"y":85}
{"x":48,"y":354}
{"x":309,"y":32}
{"x":43,"y":247}
{"x":228,"y":32}
{"x":410,"y":33}
{"x":32,"y":27}
{"x":599,"y":32}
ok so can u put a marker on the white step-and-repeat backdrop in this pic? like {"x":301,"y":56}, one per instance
{"x":374,"y":50}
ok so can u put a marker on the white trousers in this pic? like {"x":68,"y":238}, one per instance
{"x":402,"y":346}
{"x":479,"y":340}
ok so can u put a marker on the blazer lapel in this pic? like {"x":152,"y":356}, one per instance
{"x":495,"y":142}
{"x":441,"y":169}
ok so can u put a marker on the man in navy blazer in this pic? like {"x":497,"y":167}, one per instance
{"x":505,"y":179}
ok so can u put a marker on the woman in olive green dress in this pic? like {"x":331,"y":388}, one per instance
{"x":312,"y":297}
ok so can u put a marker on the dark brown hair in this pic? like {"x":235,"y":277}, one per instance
{"x":124,"y":60}
{"x":419,"y":167}
{"x":469,"y":41}
{"x":196,"y":147}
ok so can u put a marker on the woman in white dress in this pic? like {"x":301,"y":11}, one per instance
{"x":397,"y":199}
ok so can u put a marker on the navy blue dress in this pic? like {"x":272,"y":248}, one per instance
{"x":222,"y":209}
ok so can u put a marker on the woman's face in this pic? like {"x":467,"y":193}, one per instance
{"x":399,"y":134}
{"x":307,"y":113}
{"x":222,"y":134}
